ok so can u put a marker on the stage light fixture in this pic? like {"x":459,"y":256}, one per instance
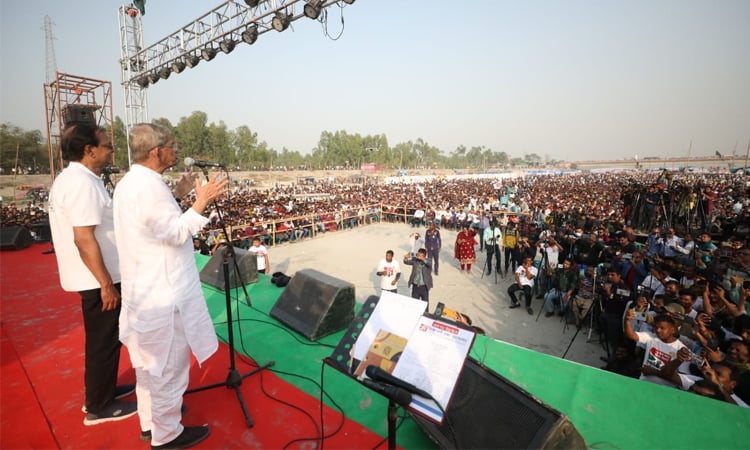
{"x":313,"y":9}
{"x":153,"y":77}
{"x":142,"y":81}
{"x":192,"y":61}
{"x":164,"y":72}
{"x":227,"y":45}
{"x":348,"y":2}
{"x":280,"y":21}
{"x":250,"y":35}
{"x":178,"y":66}
{"x":252,"y":3}
{"x":208,"y":53}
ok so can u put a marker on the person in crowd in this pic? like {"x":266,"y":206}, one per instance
{"x":80,"y":213}
{"x":164,"y":314}
{"x":661,"y":346}
{"x":420,"y":279}
{"x":464,"y":247}
{"x":564,"y":286}
{"x":493,"y":240}
{"x":525,"y":275}
{"x":433,"y":243}
{"x":615,"y":295}
{"x":261,"y":254}
{"x":389,"y":272}
{"x":511,"y":236}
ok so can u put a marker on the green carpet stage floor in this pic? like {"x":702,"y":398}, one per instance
{"x":608,"y":410}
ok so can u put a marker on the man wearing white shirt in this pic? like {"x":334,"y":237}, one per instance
{"x":164,"y":315}
{"x":80,"y":213}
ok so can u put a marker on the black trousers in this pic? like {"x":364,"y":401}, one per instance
{"x":511,"y":257}
{"x":423,"y":293}
{"x":493,"y":251}
{"x":526,"y":291}
{"x":102,"y":358}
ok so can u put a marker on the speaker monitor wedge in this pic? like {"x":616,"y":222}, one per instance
{"x":213,"y":272}
{"x":315,"y":304}
{"x":15,"y":238}
{"x":489,"y":411}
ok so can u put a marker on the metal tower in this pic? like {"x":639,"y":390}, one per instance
{"x":50,"y":52}
{"x":71,"y":98}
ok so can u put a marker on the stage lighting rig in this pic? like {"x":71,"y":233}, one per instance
{"x":252,"y":3}
{"x":227,"y":45}
{"x":208,"y":53}
{"x":142,"y":81}
{"x":313,"y":9}
{"x":192,"y":60}
{"x":280,"y":21}
{"x":250,"y":35}
{"x":178,"y":66}
{"x":164,"y":72}
{"x":153,"y":77}
{"x":348,"y":2}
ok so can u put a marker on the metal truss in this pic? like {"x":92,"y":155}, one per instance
{"x":218,"y":30}
{"x":65,"y":92}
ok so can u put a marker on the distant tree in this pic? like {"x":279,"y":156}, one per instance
{"x":31,"y":145}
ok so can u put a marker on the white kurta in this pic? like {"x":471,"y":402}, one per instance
{"x":160,"y":282}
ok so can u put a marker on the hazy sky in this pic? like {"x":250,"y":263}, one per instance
{"x":574,"y":80}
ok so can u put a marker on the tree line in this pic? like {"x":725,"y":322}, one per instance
{"x":241,"y":149}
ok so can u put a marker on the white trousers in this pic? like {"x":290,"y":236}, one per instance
{"x":160,"y":398}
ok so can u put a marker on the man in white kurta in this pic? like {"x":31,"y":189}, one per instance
{"x":161,"y":290}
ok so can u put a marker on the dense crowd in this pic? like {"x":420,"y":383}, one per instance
{"x":660,"y":260}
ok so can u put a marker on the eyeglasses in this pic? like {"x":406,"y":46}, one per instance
{"x":109,"y":146}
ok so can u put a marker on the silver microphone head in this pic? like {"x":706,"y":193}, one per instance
{"x":188,"y":161}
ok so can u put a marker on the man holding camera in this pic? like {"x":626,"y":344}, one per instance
{"x":615,"y":295}
{"x":420,"y":279}
{"x":564,"y":284}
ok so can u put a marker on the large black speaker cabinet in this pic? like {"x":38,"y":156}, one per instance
{"x":15,"y":238}
{"x":315,"y":304}
{"x":489,"y":411}
{"x":79,"y":114}
{"x":213,"y":272}
{"x":42,"y":231}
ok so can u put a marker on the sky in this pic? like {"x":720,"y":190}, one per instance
{"x":568,"y":80}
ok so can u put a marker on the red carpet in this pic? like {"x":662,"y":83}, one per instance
{"x":41,"y":383}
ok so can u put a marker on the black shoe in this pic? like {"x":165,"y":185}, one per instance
{"x":548,"y":314}
{"x":529,"y":310}
{"x":489,"y":272}
{"x":146,"y":435}
{"x":117,"y":410}
{"x":436,"y":272}
{"x":539,"y":297}
{"x":514,"y":305}
{"x":560,"y":313}
{"x":121,"y":391}
{"x":188,"y":438}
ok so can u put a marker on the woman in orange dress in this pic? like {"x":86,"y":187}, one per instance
{"x":463,"y":251}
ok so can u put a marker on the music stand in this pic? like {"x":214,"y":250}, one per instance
{"x":234,"y":377}
{"x":399,"y":392}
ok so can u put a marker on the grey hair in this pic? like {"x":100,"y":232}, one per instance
{"x":144,"y":137}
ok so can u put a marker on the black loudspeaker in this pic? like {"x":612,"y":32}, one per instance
{"x":42,"y":231}
{"x":489,"y":411}
{"x":315,"y":304}
{"x":213,"y":272}
{"x":15,"y":238}
{"x":77,"y":114}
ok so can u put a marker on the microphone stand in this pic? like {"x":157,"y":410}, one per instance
{"x":234,"y":377}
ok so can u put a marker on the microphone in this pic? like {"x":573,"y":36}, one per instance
{"x":198,"y":163}
{"x":378,"y":374}
{"x":398,"y":395}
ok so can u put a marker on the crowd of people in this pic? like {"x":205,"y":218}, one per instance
{"x":659,"y":259}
